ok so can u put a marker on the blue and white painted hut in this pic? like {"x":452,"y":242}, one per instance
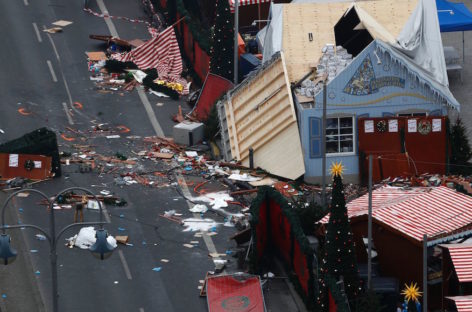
{"x":379,"y":82}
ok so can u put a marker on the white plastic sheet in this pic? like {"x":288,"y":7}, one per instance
{"x":86,"y":238}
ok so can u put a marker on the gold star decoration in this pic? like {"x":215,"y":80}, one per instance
{"x":336,"y":169}
{"x":411,"y":292}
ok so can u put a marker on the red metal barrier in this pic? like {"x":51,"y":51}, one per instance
{"x":277,"y":230}
{"x":403,"y":152}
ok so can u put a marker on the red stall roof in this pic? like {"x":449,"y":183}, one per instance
{"x":461,"y":255}
{"x":435,"y":211}
{"x":463,"y":303}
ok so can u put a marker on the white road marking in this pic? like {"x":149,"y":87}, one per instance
{"x":105,"y":214}
{"x":69,"y":117}
{"x":125,"y":264}
{"x":152,"y":117}
{"x":155,"y":124}
{"x":36,"y":30}
{"x":26,"y":2}
{"x":53,"y":74}
{"x":52,"y":43}
{"x":108,"y":21}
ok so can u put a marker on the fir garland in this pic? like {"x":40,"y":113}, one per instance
{"x":200,"y":33}
{"x":264,"y":194}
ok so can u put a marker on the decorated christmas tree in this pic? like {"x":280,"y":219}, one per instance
{"x":222,"y":44}
{"x":339,"y":259}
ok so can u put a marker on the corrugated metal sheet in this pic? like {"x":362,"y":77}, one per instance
{"x":436,"y":211}
{"x":461,"y":255}
{"x":463,"y":303}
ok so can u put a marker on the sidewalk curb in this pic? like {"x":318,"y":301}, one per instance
{"x":23,"y":250}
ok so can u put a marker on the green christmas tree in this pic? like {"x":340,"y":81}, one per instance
{"x":222,"y":46}
{"x":339,"y":257}
{"x":460,"y":149}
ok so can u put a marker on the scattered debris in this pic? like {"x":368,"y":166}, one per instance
{"x":53,"y":30}
{"x":122,"y":239}
{"x":86,"y":238}
{"x":199,"y":208}
{"x":62,"y":23}
{"x":40,"y":237}
{"x":193,"y":224}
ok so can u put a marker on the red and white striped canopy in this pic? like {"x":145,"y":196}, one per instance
{"x":461,"y":255}
{"x":162,"y":53}
{"x":245,"y":2}
{"x":463,"y":303}
{"x":417,"y":211}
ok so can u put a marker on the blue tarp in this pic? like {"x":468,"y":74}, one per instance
{"x":453,"y":16}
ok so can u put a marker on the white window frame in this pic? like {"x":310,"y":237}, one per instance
{"x":354,"y":137}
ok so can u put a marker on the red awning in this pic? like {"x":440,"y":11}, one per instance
{"x":463,"y":303}
{"x":245,"y":2}
{"x":240,"y":293}
{"x":417,"y":211}
{"x":461,"y":255}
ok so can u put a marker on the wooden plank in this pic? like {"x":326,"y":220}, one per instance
{"x":233,"y":129}
{"x":287,"y":84}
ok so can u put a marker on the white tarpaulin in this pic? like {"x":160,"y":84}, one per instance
{"x":421,"y":41}
{"x":273,"y":37}
{"x":86,"y":238}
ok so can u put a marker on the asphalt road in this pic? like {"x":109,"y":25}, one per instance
{"x":44,"y":74}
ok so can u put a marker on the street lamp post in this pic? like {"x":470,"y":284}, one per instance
{"x":101,"y":249}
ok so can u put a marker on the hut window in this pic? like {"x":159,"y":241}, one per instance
{"x":339,"y":135}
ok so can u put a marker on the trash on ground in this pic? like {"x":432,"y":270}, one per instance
{"x":122,"y":239}
{"x":53,"y":30}
{"x":62,"y":23}
{"x":194,"y":224}
{"x":86,"y":238}
{"x":40,"y":237}
{"x":199,"y":208}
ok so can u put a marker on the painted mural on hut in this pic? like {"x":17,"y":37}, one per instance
{"x":374,"y":84}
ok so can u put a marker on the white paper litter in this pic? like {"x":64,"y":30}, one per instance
{"x":215,"y":200}
{"x":86,"y":238}
{"x":194,"y":224}
{"x":199,"y":208}
{"x":191,"y":154}
{"x":139,"y":75}
{"x":243,"y":177}
{"x":93,"y":205}
{"x":159,"y":94}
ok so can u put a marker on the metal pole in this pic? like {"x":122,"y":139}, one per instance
{"x":53,"y":257}
{"x":323,"y":149}
{"x":251,"y":158}
{"x":463,"y":49}
{"x":236,"y":34}
{"x":369,"y":230}
{"x":425,"y":273}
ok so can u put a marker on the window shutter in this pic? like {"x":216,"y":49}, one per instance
{"x":315,"y":137}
